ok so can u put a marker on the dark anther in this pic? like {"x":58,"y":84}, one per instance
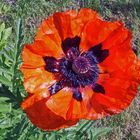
{"x":100,"y":54}
{"x":55,"y":88}
{"x":52,"y":65}
{"x":68,"y":43}
{"x":77,"y":95}
{"x":98,"y":88}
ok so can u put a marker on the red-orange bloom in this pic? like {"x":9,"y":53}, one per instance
{"x":79,"y":67}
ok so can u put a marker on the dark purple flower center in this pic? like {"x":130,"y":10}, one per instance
{"x":81,"y":65}
{"x":76,"y":69}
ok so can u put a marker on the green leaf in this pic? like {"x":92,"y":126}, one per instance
{"x":3,"y":70}
{"x":17,"y":131}
{"x":5,"y":81}
{"x":7,"y":33}
{"x":2,"y":27}
{"x":3,"y":99}
{"x":4,"y":35}
{"x":4,"y":107}
{"x":5,"y":93}
{"x":99,"y":132}
{"x":83,"y":128}
{"x":17,"y":51}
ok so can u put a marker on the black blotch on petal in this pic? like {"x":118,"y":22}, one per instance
{"x":55,"y":88}
{"x":77,"y":95}
{"x":98,"y":88}
{"x":100,"y":54}
{"x":68,"y":43}
{"x":52,"y":65}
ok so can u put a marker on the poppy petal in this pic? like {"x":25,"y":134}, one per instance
{"x":121,"y":72}
{"x":30,"y":72}
{"x":120,"y":66}
{"x":81,"y":19}
{"x":82,"y":109}
{"x":62,"y":19}
{"x":96,"y":31}
{"x":46,"y":47}
{"x":114,"y":61}
{"x":66,"y":105}
{"x":60,"y":102}
{"x":47,"y":30}
{"x":41,"y":116}
{"x":116,"y":98}
{"x":117,"y":37}
{"x":47,"y":40}
{"x":63,"y":91}
{"x":49,"y":35}
{"x":31,"y":60}
{"x":37,"y":79}
{"x":70,"y":19}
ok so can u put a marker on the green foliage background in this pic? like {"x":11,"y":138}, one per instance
{"x":19,"y":20}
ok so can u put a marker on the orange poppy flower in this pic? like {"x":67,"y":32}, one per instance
{"x":79,"y":67}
